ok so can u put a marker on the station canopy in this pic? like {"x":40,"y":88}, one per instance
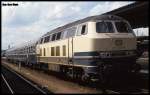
{"x":136,"y":13}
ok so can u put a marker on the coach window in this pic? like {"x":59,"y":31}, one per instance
{"x":52,"y":51}
{"x":57,"y":51}
{"x":46,"y":39}
{"x":53,"y":37}
{"x":58,"y":36}
{"x":29,"y":49}
{"x":32,"y":49}
{"x":44,"y":52}
{"x":41,"y":41}
{"x":26,"y":49}
{"x":64,"y":50}
{"x":40,"y":52}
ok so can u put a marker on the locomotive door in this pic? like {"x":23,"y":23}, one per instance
{"x":70,"y":50}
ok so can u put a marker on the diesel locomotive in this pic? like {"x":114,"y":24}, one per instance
{"x":87,"y":49}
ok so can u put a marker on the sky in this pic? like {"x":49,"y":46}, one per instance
{"x":30,"y":20}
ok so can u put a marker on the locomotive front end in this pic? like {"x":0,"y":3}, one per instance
{"x":115,"y":44}
{"x":113,"y":48}
{"x":115,"y":39}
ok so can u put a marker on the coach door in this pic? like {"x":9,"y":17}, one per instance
{"x":70,"y":34}
{"x":70,"y":50}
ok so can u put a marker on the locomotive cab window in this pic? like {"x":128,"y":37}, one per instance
{"x":104,"y":27}
{"x":123,"y":27}
{"x":82,"y":30}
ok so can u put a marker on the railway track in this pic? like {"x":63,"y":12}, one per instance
{"x":13,"y":83}
{"x":128,"y":85}
{"x":5,"y":86}
{"x":125,"y":84}
{"x":134,"y":86}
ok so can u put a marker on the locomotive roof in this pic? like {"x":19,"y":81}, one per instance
{"x":91,"y":18}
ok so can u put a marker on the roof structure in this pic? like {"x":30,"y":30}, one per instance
{"x":136,"y":13}
{"x":91,"y":18}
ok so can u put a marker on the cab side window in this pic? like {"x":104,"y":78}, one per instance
{"x":82,"y":30}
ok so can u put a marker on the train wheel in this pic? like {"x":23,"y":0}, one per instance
{"x":69,"y":72}
{"x":85,"y":78}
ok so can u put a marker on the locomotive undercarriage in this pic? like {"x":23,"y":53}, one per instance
{"x":103,"y":72}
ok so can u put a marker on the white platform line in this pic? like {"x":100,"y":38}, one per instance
{"x":28,"y":82}
{"x":7,"y":84}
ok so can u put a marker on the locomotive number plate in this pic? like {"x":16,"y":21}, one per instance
{"x":118,"y":42}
